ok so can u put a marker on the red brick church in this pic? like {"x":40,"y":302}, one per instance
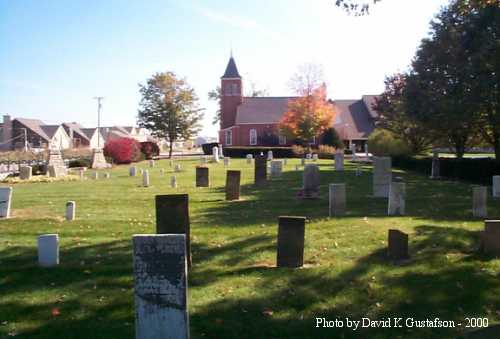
{"x":253,"y":121}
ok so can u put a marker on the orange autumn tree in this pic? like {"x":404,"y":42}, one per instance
{"x":310,"y":114}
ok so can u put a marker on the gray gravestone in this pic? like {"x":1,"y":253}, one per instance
{"x":107,"y":175}
{"x":132,"y":171}
{"x":5,"y":200}
{"x":151,"y":163}
{"x":226,"y":161}
{"x":339,"y":161}
{"x":479,"y":201}
{"x":160,"y":287}
{"x":260,"y":170}
{"x":233,"y":185}
{"x":435,"y":169}
{"x":177,"y":168}
{"x":496,"y":186}
{"x":382,"y":176}
{"x":70,"y":210}
{"x":81,"y":173}
{"x":302,"y":162}
{"x":173,"y":181}
{"x":398,"y":245}
{"x":202,"y":177}
{"x":172,"y":217}
{"x":276,"y":168}
{"x":491,"y":237}
{"x":95,"y":175}
{"x":25,"y":172}
{"x":353,"y":151}
{"x":337,"y":200}
{"x":221,"y":154}
{"x":249,"y":159}
{"x":308,"y":156}
{"x":397,"y":195}
{"x":290,"y":251}
{"x":270,"y":155}
{"x":162,"y":172}
{"x":311,"y":181}
{"x":48,"y":250}
{"x":367,"y":154}
{"x":145,"y":178}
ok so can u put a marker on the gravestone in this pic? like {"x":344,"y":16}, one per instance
{"x":315,"y":157}
{"x":141,"y":171}
{"x":358,"y":170}
{"x":178,"y":168}
{"x":48,"y":250}
{"x":480,"y":201}
{"x":173,"y":181}
{"x":171,"y":163}
{"x":353,"y":151}
{"x":302,"y":162}
{"x":435,"y":166}
{"x":491,"y":237}
{"x":233,"y":185}
{"x":367,"y":154}
{"x":221,"y":154}
{"x":260,"y":170}
{"x":397,"y":195}
{"x":81,"y":173}
{"x":339,"y":161}
{"x":285,"y":162}
{"x":55,"y":171}
{"x":172,"y":217}
{"x":276,"y":168}
{"x":496,"y":186}
{"x":162,"y":172}
{"x":297,"y":167}
{"x":132,"y":171}
{"x":311,"y":181}
{"x":5,"y":201}
{"x":249,"y":159}
{"x":397,"y":245}
{"x":145,"y":178}
{"x":290,"y":250}
{"x":98,"y":160}
{"x":107,"y":175}
{"x":226,"y":161}
{"x":95,"y":175}
{"x":70,"y":210}
{"x":56,"y":160}
{"x":308,"y":156}
{"x":215,"y":153}
{"x":151,"y":163}
{"x":202,"y":177}
{"x":337,"y":200}
{"x":270,"y":155}
{"x":25,"y":172}
{"x":382,"y":176}
{"x":160,"y":286}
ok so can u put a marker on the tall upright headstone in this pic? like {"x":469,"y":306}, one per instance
{"x":290,"y":251}
{"x":160,"y":286}
{"x":95,"y":175}
{"x":249,"y":159}
{"x":25,"y":172}
{"x":397,"y":195}
{"x":353,"y":151}
{"x":5,"y":200}
{"x":480,"y":201}
{"x":215,"y":153}
{"x":260,"y":170}
{"x":56,"y":160}
{"x":397,"y":245}
{"x":339,"y":161}
{"x":172,"y":217}
{"x":367,"y":154}
{"x":48,"y":250}
{"x":202,"y":176}
{"x":382,"y":176}
{"x":132,"y":171}
{"x":173,"y":181}
{"x":98,"y":159}
{"x":145,"y":178}
{"x":221,"y":153}
{"x":276,"y":168}
{"x":81,"y":174}
{"x":70,"y":210}
{"x":269,"y":155}
{"x":233,"y":185}
{"x":496,"y":186}
{"x":435,"y":166}
{"x":311,"y":181}
{"x":337,"y":200}
{"x":491,"y":237}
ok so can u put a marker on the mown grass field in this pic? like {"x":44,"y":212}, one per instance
{"x":234,"y":289}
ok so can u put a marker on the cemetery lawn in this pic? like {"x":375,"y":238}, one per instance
{"x":234,"y":289}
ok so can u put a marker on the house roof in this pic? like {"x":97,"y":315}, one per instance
{"x":262,"y":110}
{"x":50,"y":130}
{"x":35,"y":126}
{"x":353,"y":120}
{"x":231,"y":70}
{"x":76,"y":128}
{"x":89,"y":132}
{"x":369,"y":101}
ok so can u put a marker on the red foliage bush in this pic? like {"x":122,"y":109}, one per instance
{"x":150,"y":149}
{"x":123,"y":150}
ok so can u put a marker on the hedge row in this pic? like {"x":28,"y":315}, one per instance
{"x":241,"y":152}
{"x":478,"y":171}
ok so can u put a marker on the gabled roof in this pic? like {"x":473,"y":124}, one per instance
{"x":353,"y":120}
{"x":262,"y":110}
{"x":35,"y":126}
{"x":231,"y":70}
{"x":50,"y":130}
{"x":76,"y":128}
{"x":369,"y":101}
{"x":89,"y":132}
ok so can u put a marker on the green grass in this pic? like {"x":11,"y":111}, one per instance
{"x":234,"y":289}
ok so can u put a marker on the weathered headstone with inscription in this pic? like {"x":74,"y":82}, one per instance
{"x":397,"y":195}
{"x":480,"y":201}
{"x":25,"y":172}
{"x":260,"y":170}
{"x":276,"y":168}
{"x":337,"y":200}
{"x":311,"y":181}
{"x":202,"y":176}
{"x":5,"y":201}
{"x":398,"y":245}
{"x":48,"y":250}
{"x":70,"y":210}
{"x":382,"y":176}
{"x":339,"y":161}
{"x":233,"y":185}
{"x":290,"y":251}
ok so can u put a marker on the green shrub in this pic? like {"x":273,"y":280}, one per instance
{"x":331,"y":138}
{"x":384,"y":143}
{"x":79,"y":163}
{"x":242,"y":151}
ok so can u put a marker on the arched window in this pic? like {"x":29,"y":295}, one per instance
{"x":229,"y":137}
{"x":253,"y":137}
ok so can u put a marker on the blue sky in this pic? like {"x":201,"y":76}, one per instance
{"x":56,"y":55}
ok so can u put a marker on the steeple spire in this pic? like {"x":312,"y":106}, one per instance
{"x":231,"y":69}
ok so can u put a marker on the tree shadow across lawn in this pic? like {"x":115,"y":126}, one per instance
{"x":286,"y":302}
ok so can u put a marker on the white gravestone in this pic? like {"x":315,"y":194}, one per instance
{"x":81,"y":173}
{"x":221,"y":154}
{"x":308,"y":156}
{"x":496,"y":186}
{"x":226,"y":161}
{"x":160,"y":286}
{"x":151,"y":163}
{"x":145,"y":179}
{"x":353,"y":151}
{"x":480,"y":201}
{"x":132,"y":171}
{"x":397,"y":195}
{"x":48,"y":250}
{"x":367,"y":154}
{"x":215,"y":153}
{"x":107,"y":175}
{"x":337,"y":200}
{"x":276,"y":168}
{"x":95,"y":175}
{"x":270,"y":155}
{"x":70,"y":210}
{"x":339,"y":161}
{"x":382,"y":176}
{"x":178,"y":168}
{"x":173,"y":181}
{"x":5,"y":200}
{"x":315,"y":157}
{"x":249,"y":159}
{"x":162,"y":171}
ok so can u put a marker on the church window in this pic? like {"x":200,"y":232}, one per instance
{"x":253,"y":137}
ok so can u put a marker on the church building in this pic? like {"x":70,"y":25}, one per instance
{"x":253,"y":121}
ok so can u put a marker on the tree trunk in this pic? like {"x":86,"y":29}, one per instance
{"x":496,"y":145}
{"x":171,"y":146}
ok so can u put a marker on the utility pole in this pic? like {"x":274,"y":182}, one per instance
{"x":99,"y":106}
{"x":25,"y":140}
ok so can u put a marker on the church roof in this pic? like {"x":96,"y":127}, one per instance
{"x":231,"y":70}
{"x":354,"y":119}
{"x":262,"y":110}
